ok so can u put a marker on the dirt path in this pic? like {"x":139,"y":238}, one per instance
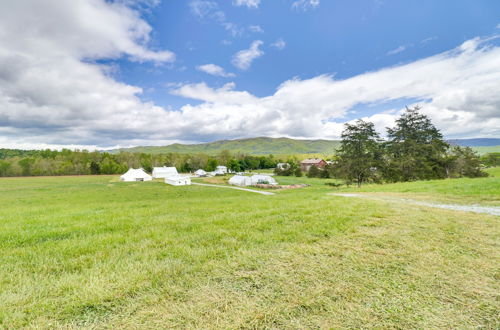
{"x":237,"y":188}
{"x":493,"y":210}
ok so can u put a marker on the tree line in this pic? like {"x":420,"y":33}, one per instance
{"x":414,"y":150}
{"x":82,"y":162}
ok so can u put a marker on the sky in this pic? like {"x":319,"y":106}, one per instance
{"x":106,"y":74}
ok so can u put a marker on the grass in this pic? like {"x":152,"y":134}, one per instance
{"x":484,"y":191}
{"x":95,"y":253}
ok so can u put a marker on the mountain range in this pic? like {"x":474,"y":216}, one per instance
{"x":281,"y":146}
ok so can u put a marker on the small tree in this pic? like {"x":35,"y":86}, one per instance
{"x":465,"y":162}
{"x":234,"y":165}
{"x":95,"y":168}
{"x":314,"y":172}
{"x":359,"y":152}
{"x":212,"y":164}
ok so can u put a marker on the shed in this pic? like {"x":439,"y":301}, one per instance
{"x":178,"y":180}
{"x":282,"y":166}
{"x":163,"y":172}
{"x":135,"y":174}
{"x":200,"y":172}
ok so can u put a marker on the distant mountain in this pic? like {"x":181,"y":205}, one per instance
{"x":252,"y":146}
{"x":475,"y":142}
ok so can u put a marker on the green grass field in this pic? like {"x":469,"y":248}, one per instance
{"x":96,"y":253}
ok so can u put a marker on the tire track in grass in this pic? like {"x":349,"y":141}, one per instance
{"x":455,"y":207}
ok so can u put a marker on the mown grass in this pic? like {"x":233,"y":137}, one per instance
{"x":483,"y":191}
{"x":93,"y":252}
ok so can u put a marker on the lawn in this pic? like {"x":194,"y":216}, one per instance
{"x":93,"y":252}
{"x":483,"y":191}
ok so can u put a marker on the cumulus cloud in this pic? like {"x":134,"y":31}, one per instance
{"x":214,"y":70}
{"x":305,"y":4}
{"x":53,"y":91}
{"x":244,"y":58}
{"x":279,"y":44}
{"x":248,"y":3}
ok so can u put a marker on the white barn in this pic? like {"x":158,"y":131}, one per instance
{"x":262,"y":179}
{"x":240,"y":180}
{"x":163,"y":172}
{"x":178,"y":180}
{"x":134,"y":174}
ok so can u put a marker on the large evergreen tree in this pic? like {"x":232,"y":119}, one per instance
{"x":415,"y":149}
{"x":359,"y":153}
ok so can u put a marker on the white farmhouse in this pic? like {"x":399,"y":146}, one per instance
{"x":163,"y":172}
{"x":135,"y":174}
{"x":178,"y":180}
{"x":221,"y":170}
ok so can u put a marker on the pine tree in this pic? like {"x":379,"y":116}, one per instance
{"x":416,"y":149}
{"x":359,"y":154}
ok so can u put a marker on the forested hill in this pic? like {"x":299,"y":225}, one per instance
{"x":253,"y":146}
{"x":284,"y":146}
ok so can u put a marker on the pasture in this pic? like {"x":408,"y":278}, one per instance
{"x":96,"y":253}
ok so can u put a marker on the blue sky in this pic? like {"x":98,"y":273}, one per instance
{"x":96,"y":73}
{"x":344,"y":38}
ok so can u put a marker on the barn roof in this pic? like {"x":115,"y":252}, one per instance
{"x":312,"y":161}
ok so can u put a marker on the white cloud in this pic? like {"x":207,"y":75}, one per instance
{"x":210,"y":10}
{"x":244,"y":58}
{"x":256,"y":29}
{"x":498,"y":26}
{"x":305,"y":4}
{"x":426,"y":40}
{"x":396,"y":50}
{"x":214,"y":70}
{"x":52,"y":93}
{"x":279,"y":44}
{"x":248,"y":3}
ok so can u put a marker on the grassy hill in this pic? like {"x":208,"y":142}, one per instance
{"x":252,"y":146}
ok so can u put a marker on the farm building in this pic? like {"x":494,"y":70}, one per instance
{"x":306,"y":164}
{"x":282,"y":166}
{"x":163,"y":172}
{"x":200,"y":173}
{"x":240,"y":180}
{"x":262,"y":179}
{"x":134,"y":174}
{"x":178,"y":180}
{"x":221,"y":170}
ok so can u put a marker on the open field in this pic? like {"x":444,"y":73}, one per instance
{"x":93,"y":252}
{"x":483,"y":191}
{"x":486,"y":149}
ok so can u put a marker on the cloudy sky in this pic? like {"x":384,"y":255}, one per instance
{"x":96,"y":73}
